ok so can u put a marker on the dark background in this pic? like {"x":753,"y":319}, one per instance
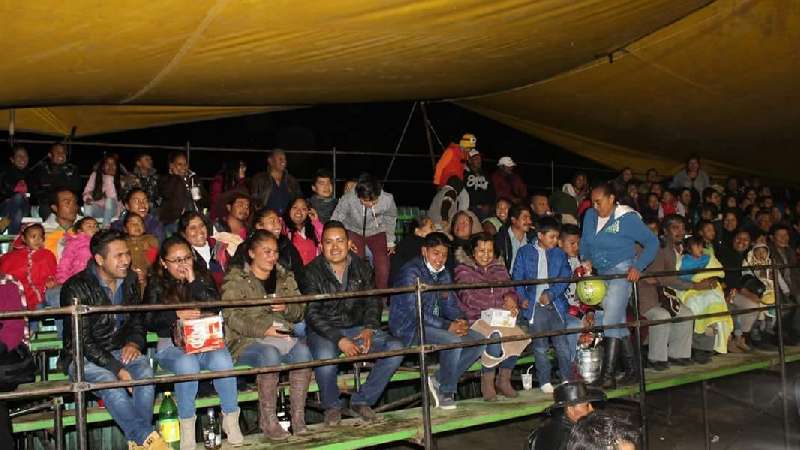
{"x":375,"y":127}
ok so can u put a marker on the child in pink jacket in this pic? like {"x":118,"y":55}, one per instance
{"x":76,"y":249}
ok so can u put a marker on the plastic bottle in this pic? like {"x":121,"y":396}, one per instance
{"x":212,"y":436}
{"x":168,"y":424}
{"x":283,"y":412}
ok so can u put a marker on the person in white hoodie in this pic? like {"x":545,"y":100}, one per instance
{"x":370,"y":216}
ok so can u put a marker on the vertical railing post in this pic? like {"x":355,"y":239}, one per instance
{"x":706,"y":425}
{"x":58,"y":419}
{"x":781,"y":353}
{"x":333,"y":154}
{"x":640,"y":367}
{"x":423,"y":373}
{"x":81,"y":435}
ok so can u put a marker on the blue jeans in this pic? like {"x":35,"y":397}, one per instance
{"x":178,"y":362}
{"x":615,"y":303}
{"x":15,"y":208}
{"x":106,"y":212}
{"x":453,"y":363}
{"x":546,"y":318}
{"x":496,"y":350}
{"x":572,"y":339}
{"x":134,"y":414}
{"x":259,"y":354}
{"x":379,"y":376}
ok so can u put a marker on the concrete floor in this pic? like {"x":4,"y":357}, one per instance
{"x":733,"y":425}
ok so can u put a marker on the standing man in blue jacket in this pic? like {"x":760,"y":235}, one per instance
{"x":608,"y":243}
{"x":445,"y":323}
{"x":544,"y":307}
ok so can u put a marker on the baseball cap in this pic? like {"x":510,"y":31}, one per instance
{"x":506,"y":161}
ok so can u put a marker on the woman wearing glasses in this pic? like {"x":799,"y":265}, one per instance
{"x":176,"y":278}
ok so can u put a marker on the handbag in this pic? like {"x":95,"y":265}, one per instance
{"x":17,"y":366}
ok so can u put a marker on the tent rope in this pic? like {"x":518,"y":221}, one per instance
{"x":400,"y":142}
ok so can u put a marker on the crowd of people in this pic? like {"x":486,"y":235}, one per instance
{"x":150,"y":238}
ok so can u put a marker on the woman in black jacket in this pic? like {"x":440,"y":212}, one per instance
{"x":176,"y":278}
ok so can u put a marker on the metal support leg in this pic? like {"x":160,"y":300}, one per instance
{"x":706,"y":432}
{"x":640,"y":366}
{"x":81,"y":436}
{"x":58,"y":422}
{"x":423,"y":375}
{"x":782,"y":356}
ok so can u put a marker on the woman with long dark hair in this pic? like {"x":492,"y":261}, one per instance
{"x":176,"y":278}
{"x":209,"y":252}
{"x":101,"y":194}
{"x":303,"y":230}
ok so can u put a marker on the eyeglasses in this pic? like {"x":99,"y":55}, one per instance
{"x":184,"y":260}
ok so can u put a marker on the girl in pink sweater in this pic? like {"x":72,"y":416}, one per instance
{"x":76,"y":249}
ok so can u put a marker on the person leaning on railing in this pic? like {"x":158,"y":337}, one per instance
{"x":351,"y":325}
{"x":175,"y":279}
{"x":113,"y":343}
{"x":261,"y":336}
{"x":610,"y":234}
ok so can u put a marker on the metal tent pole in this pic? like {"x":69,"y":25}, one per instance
{"x":78,"y":382}
{"x":428,"y":133}
{"x":423,"y":374}
{"x":400,"y":141}
{"x":781,"y":355}
{"x":706,"y":426}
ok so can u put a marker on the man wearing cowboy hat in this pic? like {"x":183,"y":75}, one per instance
{"x":573,"y":401}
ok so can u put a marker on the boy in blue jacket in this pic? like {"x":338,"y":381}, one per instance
{"x":445,"y":323}
{"x":544,"y":307}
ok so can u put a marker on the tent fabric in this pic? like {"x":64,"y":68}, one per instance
{"x":721,"y":83}
{"x":625,"y":82}
{"x":89,"y":120}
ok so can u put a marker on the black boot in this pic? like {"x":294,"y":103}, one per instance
{"x":630,"y":361}
{"x":607,"y":380}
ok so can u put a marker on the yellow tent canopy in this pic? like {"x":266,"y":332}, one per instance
{"x":715,"y":77}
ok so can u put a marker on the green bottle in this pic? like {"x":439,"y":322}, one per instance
{"x":168,"y":425}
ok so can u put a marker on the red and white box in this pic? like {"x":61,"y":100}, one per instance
{"x":203,"y":335}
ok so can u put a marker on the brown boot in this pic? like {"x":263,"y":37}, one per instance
{"x":741,"y":342}
{"x":487,"y":385}
{"x":299,"y":381}
{"x":267,"y":396}
{"x":504,"y":384}
{"x":733,"y":347}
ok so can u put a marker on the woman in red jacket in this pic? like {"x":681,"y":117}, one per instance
{"x":483,"y":266}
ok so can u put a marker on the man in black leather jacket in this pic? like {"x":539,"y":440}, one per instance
{"x":350,"y":326}
{"x":573,"y":401}
{"x":113,"y":344}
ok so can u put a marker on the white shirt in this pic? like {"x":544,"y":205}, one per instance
{"x":601,"y":222}
{"x":205,"y":253}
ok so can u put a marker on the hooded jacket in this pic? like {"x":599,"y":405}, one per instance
{"x":473,"y":301}
{"x":75,"y":256}
{"x":101,"y":333}
{"x":243,"y":326}
{"x":380,"y":218}
{"x":439,"y":308}
{"x":616,"y":241}
{"x":327,"y":318}
{"x":526,"y":267}
{"x":31,"y":267}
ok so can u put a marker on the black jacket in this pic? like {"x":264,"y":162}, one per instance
{"x":176,"y":197}
{"x":50,"y":178}
{"x":502,"y":244}
{"x":9,"y":177}
{"x":99,"y":331}
{"x":288,"y":256}
{"x":327,"y":318}
{"x":201,"y":289}
{"x":554,"y":434}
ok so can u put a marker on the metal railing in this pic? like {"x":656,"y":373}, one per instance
{"x":79,"y":386}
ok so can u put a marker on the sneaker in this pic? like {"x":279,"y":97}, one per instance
{"x":433,"y":386}
{"x":448,"y":402}
{"x":333,"y":417}
{"x":547,"y":388}
{"x":681,"y":361}
{"x":658,"y":366}
{"x":364,"y":412}
{"x":155,"y":442}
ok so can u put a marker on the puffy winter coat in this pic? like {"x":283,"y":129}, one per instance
{"x":327,"y":318}
{"x":473,"y":301}
{"x":75,"y":256}
{"x":31,"y":268}
{"x":439,"y":308}
{"x":101,"y":333}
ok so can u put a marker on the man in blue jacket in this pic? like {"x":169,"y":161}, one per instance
{"x":444,"y":321}
{"x":608,"y":243}
{"x":544,"y":307}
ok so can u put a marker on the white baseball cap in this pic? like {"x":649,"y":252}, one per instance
{"x":506,"y":161}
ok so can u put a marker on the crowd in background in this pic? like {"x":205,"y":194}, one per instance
{"x":132,"y":236}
